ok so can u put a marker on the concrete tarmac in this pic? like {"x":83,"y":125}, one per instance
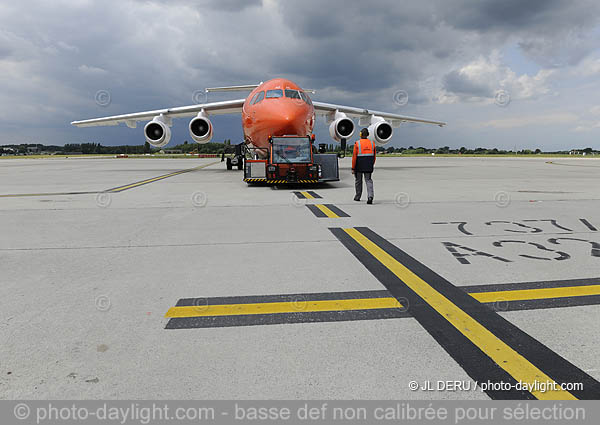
{"x":88,"y":275}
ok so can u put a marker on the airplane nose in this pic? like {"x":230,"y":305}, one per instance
{"x":289,"y":120}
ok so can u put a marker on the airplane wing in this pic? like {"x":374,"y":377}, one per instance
{"x":328,"y":109}
{"x":213,"y":108}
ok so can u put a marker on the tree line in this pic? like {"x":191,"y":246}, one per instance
{"x":99,"y":149}
{"x":92,"y":148}
{"x":477,"y":151}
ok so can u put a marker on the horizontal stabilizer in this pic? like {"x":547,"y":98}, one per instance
{"x":232,"y":88}
{"x":242,"y":88}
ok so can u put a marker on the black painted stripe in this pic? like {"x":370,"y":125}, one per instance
{"x":315,"y":194}
{"x":337,"y":316}
{"x":336,"y":210}
{"x":352,"y":295}
{"x":501,"y":306}
{"x":284,"y":318}
{"x":555,"y":366}
{"x":475,"y":363}
{"x":370,"y":314}
{"x":317,"y":212}
{"x":383,"y":293}
{"x":299,"y":195}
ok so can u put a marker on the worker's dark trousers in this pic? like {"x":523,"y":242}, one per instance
{"x":358,"y":178}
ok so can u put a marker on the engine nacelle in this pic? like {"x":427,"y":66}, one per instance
{"x":380,"y":131}
{"x":201,"y":129}
{"x":157,"y":132}
{"x":341,"y":127}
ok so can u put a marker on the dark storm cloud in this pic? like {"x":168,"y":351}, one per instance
{"x":228,"y":5}
{"x":360,"y":47}
{"x":458,"y":83}
{"x":507,"y":14}
{"x":554,"y":33}
{"x":532,"y":17}
{"x":204,"y":5}
{"x":152,"y":54}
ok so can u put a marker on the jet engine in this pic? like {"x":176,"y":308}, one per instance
{"x":341,"y":127}
{"x":380,"y":131}
{"x":157,"y":132}
{"x":201,"y":129}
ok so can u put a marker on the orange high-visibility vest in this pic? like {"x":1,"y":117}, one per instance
{"x":363,"y":156}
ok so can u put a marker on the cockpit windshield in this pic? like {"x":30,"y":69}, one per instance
{"x":291,"y":149}
{"x":274,"y":93}
{"x":305,"y":98}
{"x":292,"y":94}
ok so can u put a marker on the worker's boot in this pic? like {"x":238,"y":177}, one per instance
{"x":370,"y":201}
{"x":357,"y":198}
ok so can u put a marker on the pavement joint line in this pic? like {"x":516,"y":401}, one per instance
{"x":179,"y":245}
{"x":484,"y":344}
{"x":571,"y":165}
{"x":22,"y":195}
{"x":250,"y":242}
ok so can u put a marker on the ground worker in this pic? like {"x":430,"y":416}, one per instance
{"x":363,"y":160}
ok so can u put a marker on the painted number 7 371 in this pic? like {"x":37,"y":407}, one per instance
{"x":550,"y":250}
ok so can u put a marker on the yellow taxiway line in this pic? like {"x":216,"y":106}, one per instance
{"x":501,"y":353}
{"x":154,"y":179}
{"x":327,"y":211}
{"x":536,"y":294}
{"x":370,"y":303}
{"x":283,"y":307}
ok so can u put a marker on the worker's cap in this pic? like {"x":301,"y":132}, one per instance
{"x":364,"y":132}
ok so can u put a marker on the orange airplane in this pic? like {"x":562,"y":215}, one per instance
{"x":273,"y":109}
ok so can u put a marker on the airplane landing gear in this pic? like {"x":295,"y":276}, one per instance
{"x":237,"y":159}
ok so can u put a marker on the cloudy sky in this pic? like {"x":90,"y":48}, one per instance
{"x":508,"y":73}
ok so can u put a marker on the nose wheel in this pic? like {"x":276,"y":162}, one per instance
{"x":237,"y":160}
